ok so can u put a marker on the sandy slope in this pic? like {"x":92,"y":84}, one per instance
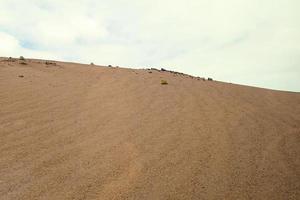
{"x":71,"y":131}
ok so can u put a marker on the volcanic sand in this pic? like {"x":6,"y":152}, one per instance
{"x":74,"y":131}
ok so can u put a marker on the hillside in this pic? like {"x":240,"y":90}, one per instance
{"x":74,"y":131}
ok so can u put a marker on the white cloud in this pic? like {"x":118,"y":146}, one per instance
{"x":250,"y":42}
{"x":10,"y":46}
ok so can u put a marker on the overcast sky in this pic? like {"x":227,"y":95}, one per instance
{"x":252,"y":42}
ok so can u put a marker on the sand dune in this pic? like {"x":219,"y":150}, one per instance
{"x":73,"y":131}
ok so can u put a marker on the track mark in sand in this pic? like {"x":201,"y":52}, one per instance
{"x":131,"y":170}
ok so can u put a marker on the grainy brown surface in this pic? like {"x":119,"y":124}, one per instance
{"x":71,"y":131}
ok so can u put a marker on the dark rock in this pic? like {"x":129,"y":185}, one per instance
{"x":50,"y":63}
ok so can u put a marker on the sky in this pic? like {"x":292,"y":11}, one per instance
{"x":249,"y":42}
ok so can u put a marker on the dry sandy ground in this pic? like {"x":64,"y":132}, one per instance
{"x":72,"y":131}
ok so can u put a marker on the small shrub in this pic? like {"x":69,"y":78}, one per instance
{"x":92,"y":63}
{"x":210,"y":79}
{"x":164,"y":82}
{"x":109,"y":66}
{"x":22,"y":58}
{"x":10,"y":59}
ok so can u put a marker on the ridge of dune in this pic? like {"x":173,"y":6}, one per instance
{"x":74,"y":131}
